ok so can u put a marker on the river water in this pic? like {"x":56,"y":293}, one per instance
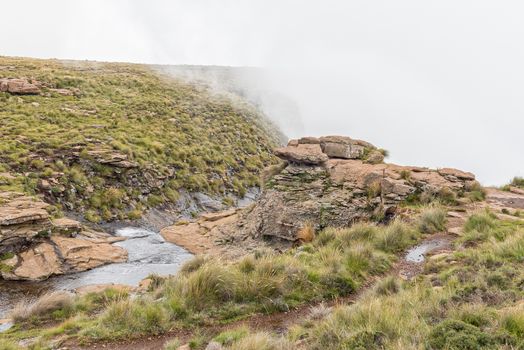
{"x":148,"y":253}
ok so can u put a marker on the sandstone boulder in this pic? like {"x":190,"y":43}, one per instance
{"x":81,"y":254}
{"x":203,"y":235}
{"x":112,"y":158}
{"x":308,"y":140}
{"x":302,"y":154}
{"x":345,"y":140}
{"x":18,"y":209}
{"x":60,"y":255}
{"x":36,"y":263}
{"x":22,"y":218}
{"x":41,"y":247}
{"x":292,"y":143}
{"x":455,"y":173}
{"x":306,"y":150}
{"x":18,"y":86}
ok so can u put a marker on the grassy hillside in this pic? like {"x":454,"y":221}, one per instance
{"x":468,"y":298}
{"x":208,"y":291}
{"x":128,"y":138}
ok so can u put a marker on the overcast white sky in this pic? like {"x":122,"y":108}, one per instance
{"x":438,"y":83}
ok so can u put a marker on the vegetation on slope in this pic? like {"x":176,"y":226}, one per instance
{"x":171,"y":136}
{"x":517,"y":182}
{"x":335,"y":264}
{"x":467,"y":300}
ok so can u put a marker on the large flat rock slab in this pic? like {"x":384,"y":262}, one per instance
{"x":303,"y":153}
{"x":504,"y":199}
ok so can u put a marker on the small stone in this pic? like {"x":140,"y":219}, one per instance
{"x":455,"y":230}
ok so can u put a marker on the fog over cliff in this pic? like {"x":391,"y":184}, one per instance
{"x":437,"y":83}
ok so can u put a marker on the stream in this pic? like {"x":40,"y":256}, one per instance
{"x":148,"y":253}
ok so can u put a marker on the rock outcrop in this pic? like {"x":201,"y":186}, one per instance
{"x":315,"y":151}
{"x":34,"y":247}
{"x":327,"y":181}
{"x":24,"y":86}
{"x":203,"y":235}
{"x":352,"y":184}
{"x":18,"y":86}
{"x":21,"y":219}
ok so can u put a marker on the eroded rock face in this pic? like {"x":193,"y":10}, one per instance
{"x":36,"y":247}
{"x":340,"y":190}
{"x":21,"y":219}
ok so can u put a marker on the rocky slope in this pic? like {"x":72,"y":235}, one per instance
{"x":328,"y":181}
{"x":111,"y":141}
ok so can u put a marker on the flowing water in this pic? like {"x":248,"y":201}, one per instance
{"x":416,"y":254}
{"x":148,"y":253}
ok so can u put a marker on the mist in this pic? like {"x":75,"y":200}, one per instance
{"x":436,"y":83}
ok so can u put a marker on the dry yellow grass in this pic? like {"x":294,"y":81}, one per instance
{"x":307,"y":233}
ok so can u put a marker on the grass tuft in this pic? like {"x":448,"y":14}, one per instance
{"x":432,"y":220}
{"x":43,"y":306}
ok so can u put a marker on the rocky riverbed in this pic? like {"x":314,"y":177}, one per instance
{"x":148,"y":253}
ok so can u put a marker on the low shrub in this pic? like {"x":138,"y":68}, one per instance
{"x":455,"y":334}
{"x":481,"y":222}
